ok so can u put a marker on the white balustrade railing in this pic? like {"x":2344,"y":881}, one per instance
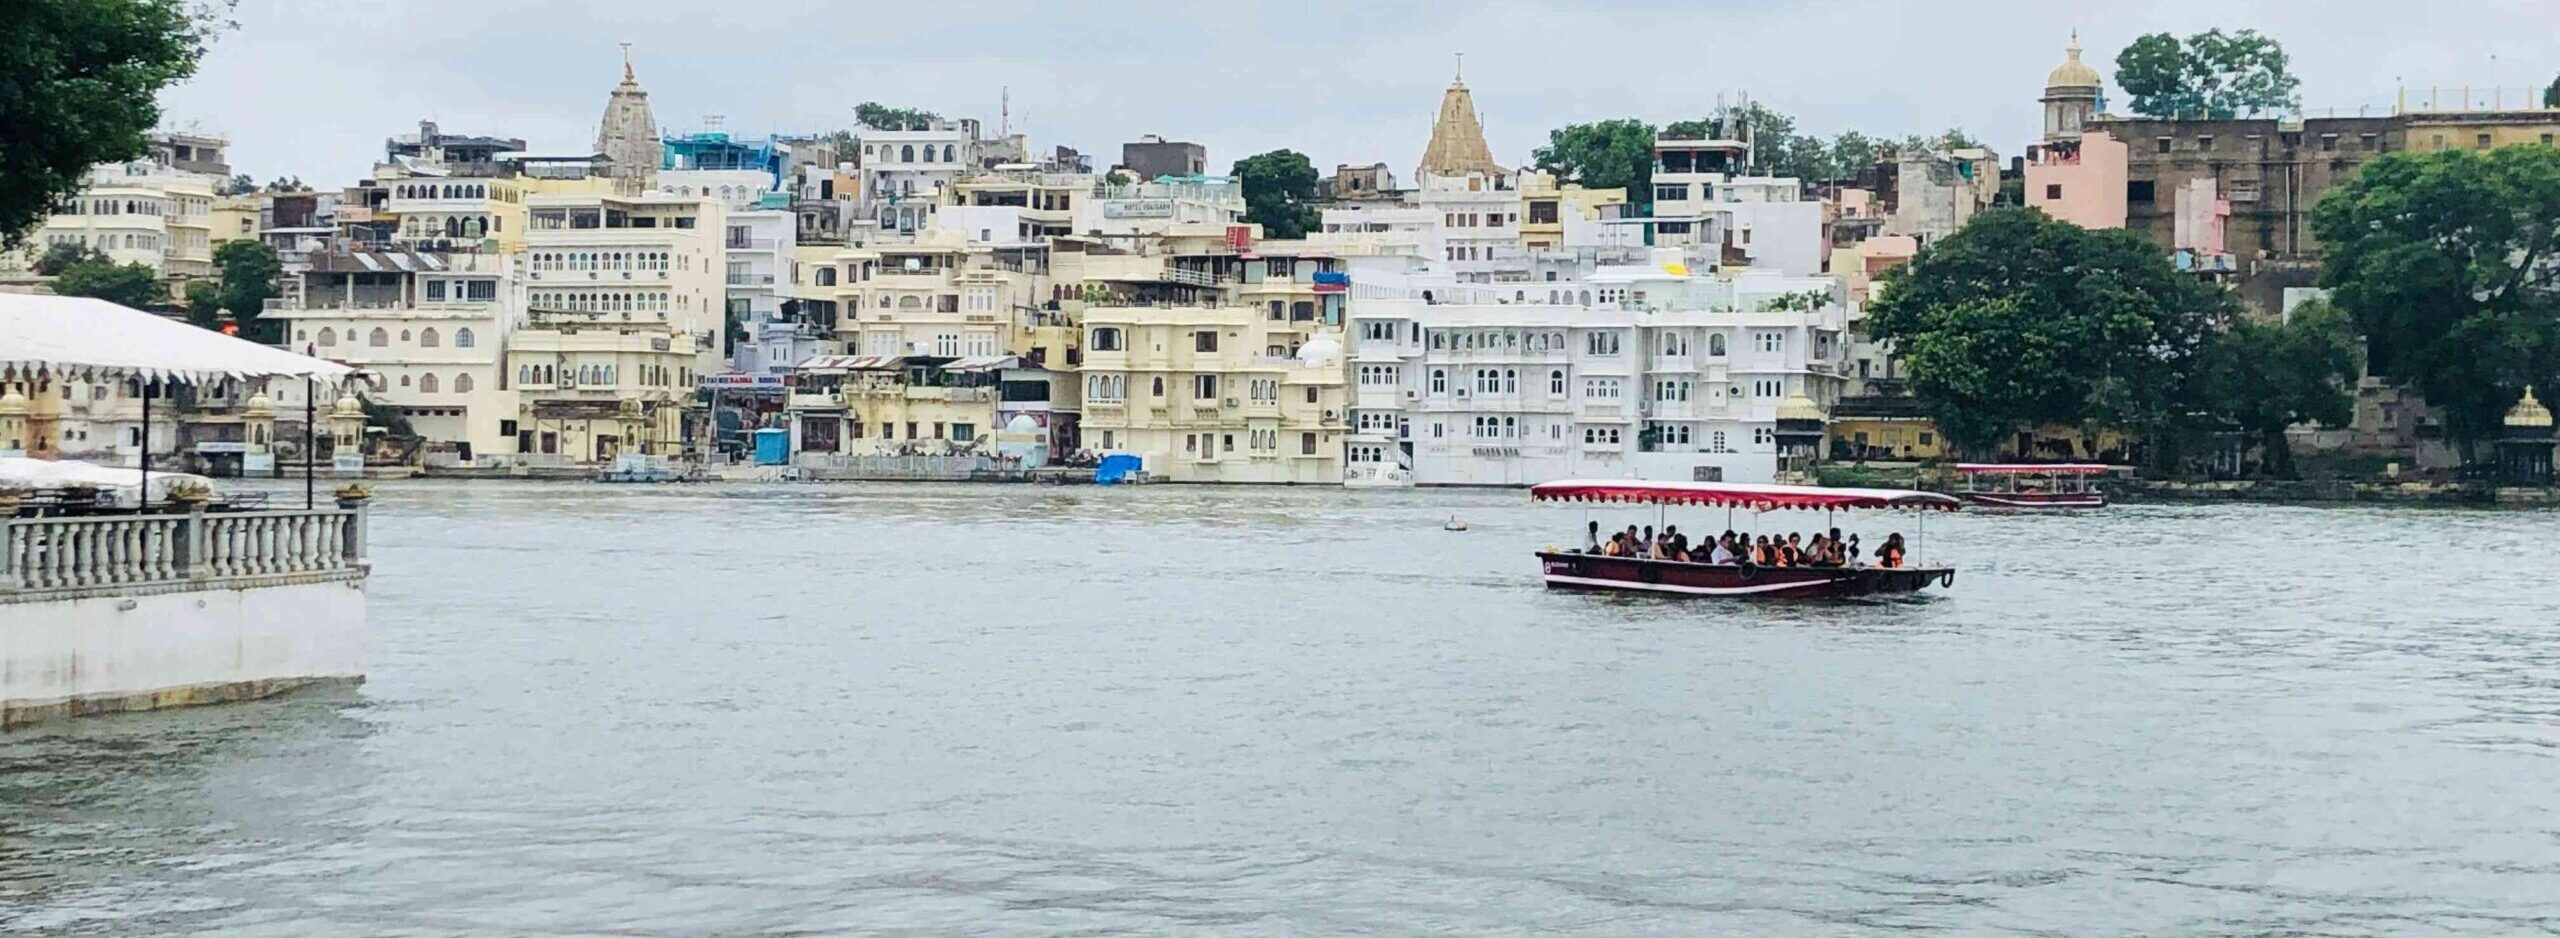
{"x":134,"y":549}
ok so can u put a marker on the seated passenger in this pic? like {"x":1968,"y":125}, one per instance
{"x":1890,"y":555}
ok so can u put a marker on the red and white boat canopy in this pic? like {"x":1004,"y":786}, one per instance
{"x":2033,"y":469}
{"x":1738,"y":495}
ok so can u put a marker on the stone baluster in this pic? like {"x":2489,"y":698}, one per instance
{"x":10,"y":572}
{"x":111,"y":551}
{"x":190,"y":543}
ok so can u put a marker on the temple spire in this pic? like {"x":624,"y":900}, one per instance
{"x":1457,"y":145}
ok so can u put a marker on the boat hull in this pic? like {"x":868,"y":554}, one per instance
{"x":1628,"y":574}
{"x":2037,"y":501}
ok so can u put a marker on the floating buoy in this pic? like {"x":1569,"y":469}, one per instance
{"x":1454,"y":524}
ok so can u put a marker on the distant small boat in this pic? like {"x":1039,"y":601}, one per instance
{"x":1454,"y":524}
{"x":2033,"y":486}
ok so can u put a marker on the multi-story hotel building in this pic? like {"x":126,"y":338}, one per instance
{"x":431,"y":330}
{"x":592,"y":385}
{"x":1630,"y":371}
{"x":1214,"y":367}
{"x":640,"y":258}
{"x":156,"y":211}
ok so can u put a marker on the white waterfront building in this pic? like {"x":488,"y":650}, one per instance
{"x":1631,"y":371}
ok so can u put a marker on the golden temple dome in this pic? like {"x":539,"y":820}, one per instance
{"x":2073,"y":73}
{"x":1799,"y":407}
{"x":2528,"y":412}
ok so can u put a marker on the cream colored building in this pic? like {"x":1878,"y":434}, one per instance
{"x":1215,"y":367}
{"x":865,"y":405}
{"x":1544,"y":206}
{"x":136,"y":213}
{"x":590,"y":386}
{"x":431,"y":330}
{"x":633,"y":259}
{"x":942,"y":295}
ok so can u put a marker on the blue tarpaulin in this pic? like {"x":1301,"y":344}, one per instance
{"x":1116,"y":468}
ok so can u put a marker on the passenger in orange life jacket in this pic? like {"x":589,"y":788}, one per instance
{"x":1890,"y":555}
{"x":1791,"y":553}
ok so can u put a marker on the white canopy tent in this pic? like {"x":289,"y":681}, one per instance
{"x":70,"y":336}
{"x":52,"y":338}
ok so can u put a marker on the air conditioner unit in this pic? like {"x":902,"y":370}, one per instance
{"x":1462,"y":392}
{"x":1411,"y":394}
{"x":1231,"y":402}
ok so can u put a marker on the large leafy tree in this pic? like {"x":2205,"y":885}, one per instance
{"x":1607,"y":154}
{"x":2450,"y":263}
{"x":878,"y":116}
{"x":2020,"y":320}
{"x":2265,"y":376}
{"x":132,"y":285}
{"x":247,"y":273}
{"x":1852,"y":152}
{"x":79,"y":81}
{"x":1279,"y":192}
{"x":2211,"y":74}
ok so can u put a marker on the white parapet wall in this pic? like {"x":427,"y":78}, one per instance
{"x":139,"y":612}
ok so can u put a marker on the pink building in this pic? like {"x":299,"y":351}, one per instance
{"x":2081,"y":182}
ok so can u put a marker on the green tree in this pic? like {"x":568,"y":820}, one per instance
{"x":61,"y":255}
{"x":79,"y":85}
{"x":1853,"y":152}
{"x":1956,"y":139}
{"x":2020,"y":320}
{"x":2211,"y":74}
{"x":878,"y":116}
{"x":1607,"y":154}
{"x":2446,"y":262}
{"x":2551,"y":95}
{"x":2265,"y":376}
{"x":204,"y":304}
{"x":131,"y":285}
{"x":238,"y":184}
{"x":246,"y":274}
{"x":1279,"y":192}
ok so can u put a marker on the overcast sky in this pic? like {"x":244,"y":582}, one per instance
{"x":311,"y":87}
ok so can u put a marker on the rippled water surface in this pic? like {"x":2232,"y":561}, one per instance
{"x":936,"y":710}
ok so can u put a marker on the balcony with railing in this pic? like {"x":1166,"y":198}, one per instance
{"x":48,"y":557}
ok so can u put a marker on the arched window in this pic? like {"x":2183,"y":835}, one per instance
{"x":1715,"y":344}
{"x":907,"y":153}
{"x":404,"y":381}
{"x":949,"y":155}
{"x":461,"y":384}
{"x":427,"y":383}
{"x":462,"y":337}
{"x":429,"y":338}
{"x":404,"y":335}
{"x":910,"y":301}
{"x":826,"y":276}
{"x":381,"y":338}
{"x":1159,"y":386}
{"x":328,"y":337}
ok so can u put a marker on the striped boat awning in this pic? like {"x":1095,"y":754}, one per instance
{"x":854,"y":363}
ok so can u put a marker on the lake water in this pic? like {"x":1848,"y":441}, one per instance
{"x":943,"y":710}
